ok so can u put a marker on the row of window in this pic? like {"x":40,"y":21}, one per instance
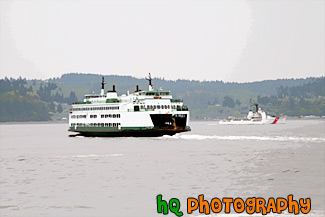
{"x":155,"y":93}
{"x":117,"y":107}
{"x":96,"y":125}
{"x":95,"y":116}
{"x":96,"y":108}
{"x":159,"y":106}
{"x":107,"y":116}
{"x":111,"y":116}
{"x":78,"y":116}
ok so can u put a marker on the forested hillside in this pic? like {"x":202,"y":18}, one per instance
{"x":38,"y":100}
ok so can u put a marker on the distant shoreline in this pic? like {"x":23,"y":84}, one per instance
{"x":67,"y":122}
{"x":34,"y":122}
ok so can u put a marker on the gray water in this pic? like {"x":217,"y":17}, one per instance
{"x":44,"y":172}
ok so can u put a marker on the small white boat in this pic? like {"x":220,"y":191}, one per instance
{"x":257,"y":117}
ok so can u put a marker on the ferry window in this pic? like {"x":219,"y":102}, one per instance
{"x":141,"y":106}
{"x":102,"y":116}
{"x":119,"y":115}
{"x":95,"y":116}
{"x":154,"y":106}
{"x":106,"y":116}
{"x":102,"y":124}
{"x":158,"y":106}
{"x":114,"y":116}
{"x":168,"y":106}
{"x":106,"y":124}
{"x":110,"y":124}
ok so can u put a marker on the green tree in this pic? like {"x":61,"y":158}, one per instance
{"x":228,"y":102}
{"x":52,"y":106}
{"x":59,"y":109}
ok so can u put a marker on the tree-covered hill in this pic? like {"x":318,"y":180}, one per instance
{"x":36,"y":100}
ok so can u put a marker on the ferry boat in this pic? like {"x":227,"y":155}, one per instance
{"x":257,"y":117}
{"x":142,"y":113}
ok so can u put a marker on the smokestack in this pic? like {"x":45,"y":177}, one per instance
{"x":114,"y":88}
{"x":137,"y":88}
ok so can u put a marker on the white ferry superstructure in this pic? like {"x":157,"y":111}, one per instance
{"x":142,"y":113}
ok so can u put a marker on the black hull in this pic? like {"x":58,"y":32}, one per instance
{"x":129,"y":133}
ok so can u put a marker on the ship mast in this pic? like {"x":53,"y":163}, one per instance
{"x":102,"y":91}
{"x":256,"y":106}
{"x":150,"y":83}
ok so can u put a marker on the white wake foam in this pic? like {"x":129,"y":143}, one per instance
{"x":91,"y":155}
{"x":241,"y":138}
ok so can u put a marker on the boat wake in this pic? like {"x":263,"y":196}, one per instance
{"x":252,"y":138}
{"x":91,"y":155}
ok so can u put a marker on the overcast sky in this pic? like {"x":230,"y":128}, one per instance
{"x":230,"y":40}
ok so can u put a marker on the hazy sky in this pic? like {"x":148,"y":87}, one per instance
{"x":230,"y":40}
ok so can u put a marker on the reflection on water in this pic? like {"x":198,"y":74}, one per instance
{"x":44,"y":172}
